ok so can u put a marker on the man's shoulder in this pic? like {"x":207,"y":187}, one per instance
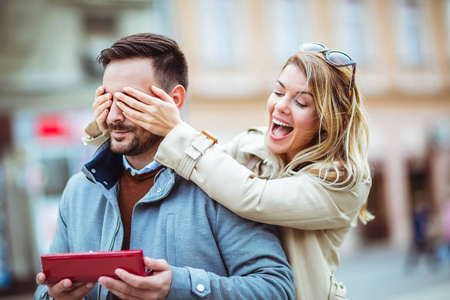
{"x":200,"y":199}
{"x":78,"y":182}
{"x":77,"y":178}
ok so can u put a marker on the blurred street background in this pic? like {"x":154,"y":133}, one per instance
{"x":235,"y":50}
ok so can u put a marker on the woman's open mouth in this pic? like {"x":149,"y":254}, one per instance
{"x":279,"y":129}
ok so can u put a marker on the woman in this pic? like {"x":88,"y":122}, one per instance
{"x":307,"y":172}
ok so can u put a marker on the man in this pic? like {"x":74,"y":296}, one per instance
{"x":124,"y":200}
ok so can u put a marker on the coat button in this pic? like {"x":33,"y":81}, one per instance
{"x":200,"y":287}
{"x":158,"y":190}
{"x":93,"y":170}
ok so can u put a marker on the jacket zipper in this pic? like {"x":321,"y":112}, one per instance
{"x":115,"y":234}
{"x":110,"y":248}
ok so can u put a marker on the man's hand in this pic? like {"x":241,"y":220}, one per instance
{"x":101,"y":106}
{"x":130,"y":286}
{"x":65,"y":289}
{"x":158,"y":115}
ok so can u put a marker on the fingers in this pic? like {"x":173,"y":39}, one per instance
{"x":131,"y":286}
{"x":162,"y":94}
{"x":132,"y":103}
{"x":157,"y":265}
{"x":60,"y":288}
{"x":148,"y":99}
{"x":100,"y":90}
{"x":101,"y":103}
{"x":64,"y":287}
{"x":40,"y":278}
{"x":117,"y":287}
{"x":83,"y":290}
{"x":136,"y":111}
{"x":100,"y":117}
{"x":98,"y":99}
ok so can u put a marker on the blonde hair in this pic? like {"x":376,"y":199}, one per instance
{"x":337,"y":155}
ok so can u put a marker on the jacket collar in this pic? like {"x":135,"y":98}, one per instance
{"x":105,"y":167}
{"x":257,"y":146}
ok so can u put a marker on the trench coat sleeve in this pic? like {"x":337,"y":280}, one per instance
{"x":95,"y":136}
{"x":301,"y":201}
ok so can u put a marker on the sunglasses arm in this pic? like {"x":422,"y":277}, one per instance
{"x":352,"y":82}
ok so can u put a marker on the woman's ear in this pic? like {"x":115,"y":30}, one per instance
{"x":178,"y":95}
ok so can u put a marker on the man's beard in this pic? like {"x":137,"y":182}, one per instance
{"x":141,"y":141}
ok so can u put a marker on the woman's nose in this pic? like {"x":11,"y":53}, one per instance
{"x":284,"y":104}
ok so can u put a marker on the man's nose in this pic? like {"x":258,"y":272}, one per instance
{"x":115,"y":113}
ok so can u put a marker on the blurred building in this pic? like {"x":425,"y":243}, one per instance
{"x":235,"y":50}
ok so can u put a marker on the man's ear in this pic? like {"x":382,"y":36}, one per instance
{"x":178,"y":95}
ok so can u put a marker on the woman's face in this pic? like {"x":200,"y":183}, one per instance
{"x":294,"y":121}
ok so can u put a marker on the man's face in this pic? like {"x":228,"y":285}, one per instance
{"x":126,"y":137}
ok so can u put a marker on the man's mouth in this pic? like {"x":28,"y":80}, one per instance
{"x":118,"y":134}
{"x":280,"y":129}
{"x":118,"y":131}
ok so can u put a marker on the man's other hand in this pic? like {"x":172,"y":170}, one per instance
{"x":155,"y":286}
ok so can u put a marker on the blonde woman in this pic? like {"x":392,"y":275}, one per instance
{"x":306,"y":172}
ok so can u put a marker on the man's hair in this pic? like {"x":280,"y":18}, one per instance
{"x":169,"y":63}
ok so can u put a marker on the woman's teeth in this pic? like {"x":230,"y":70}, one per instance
{"x":276,"y":122}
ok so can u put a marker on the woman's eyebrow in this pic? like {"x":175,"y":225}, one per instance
{"x":304,"y":92}
{"x":298,"y":93}
{"x":280,"y":83}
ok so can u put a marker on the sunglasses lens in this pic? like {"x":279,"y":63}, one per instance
{"x":339,"y":58}
{"x":312,"y":47}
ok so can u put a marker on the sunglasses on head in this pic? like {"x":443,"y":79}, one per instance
{"x":334,"y":57}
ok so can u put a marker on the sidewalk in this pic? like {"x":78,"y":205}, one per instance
{"x":379,"y":273}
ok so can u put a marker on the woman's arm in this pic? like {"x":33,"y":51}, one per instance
{"x":300,"y":201}
{"x":94,"y":136}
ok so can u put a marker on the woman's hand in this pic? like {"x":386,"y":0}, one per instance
{"x":157,"y":115}
{"x":101,"y":106}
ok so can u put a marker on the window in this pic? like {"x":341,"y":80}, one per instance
{"x":220,"y":33}
{"x":99,"y":33}
{"x":289,"y":24}
{"x":410,"y":33}
{"x":354,"y":32}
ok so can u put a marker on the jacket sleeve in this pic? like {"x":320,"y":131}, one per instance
{"x":300,"y":201}
{"x":59,"y":245}
{"x":41,"y":293}
{"x":255,"y":261}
